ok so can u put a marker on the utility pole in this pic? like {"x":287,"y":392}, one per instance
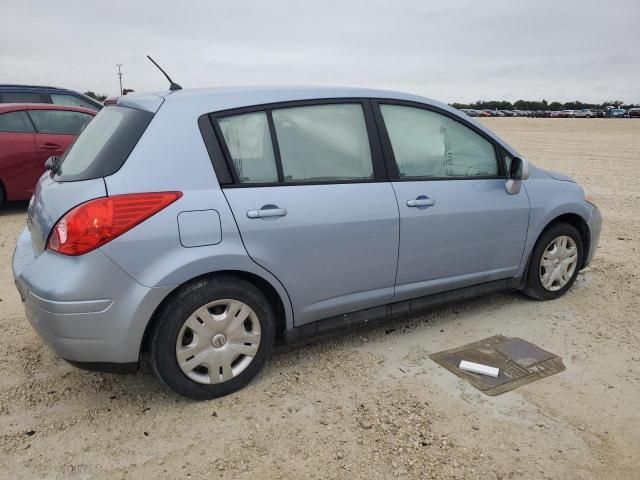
{"x":120,"y":76}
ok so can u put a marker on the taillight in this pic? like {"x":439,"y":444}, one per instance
{"x":94,"y":223}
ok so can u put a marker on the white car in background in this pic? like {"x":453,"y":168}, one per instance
{"x":584,"y":113}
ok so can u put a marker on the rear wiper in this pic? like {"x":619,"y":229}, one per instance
{"x":53,"y":164}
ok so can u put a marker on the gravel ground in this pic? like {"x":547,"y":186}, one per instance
{"x":370,"y":404}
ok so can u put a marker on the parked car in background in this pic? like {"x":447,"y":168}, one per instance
{"x":615,"y":113}
{"x":188,"y":226}
{"x":29,"y":135}
{"x":584,"y":113}
{"x":634,"y":112}
{"x":114,"y":100}
{"x":555,"y":114}
{"x":36,"y":94}
{"x":567,"y":114}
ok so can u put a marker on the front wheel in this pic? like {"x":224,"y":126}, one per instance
{"x":212,"y":338}
{"x":555,"y":262}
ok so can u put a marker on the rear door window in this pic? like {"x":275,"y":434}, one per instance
{"x":66,"y":99}
{"x":249,"y":144}
{"x":21,"y":97}
{"x":105,"y":144}
{"x":15,"y":122}
{"x":59,"y":122}
{"x":323,"y":143}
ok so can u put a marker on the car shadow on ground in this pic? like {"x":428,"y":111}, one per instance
{"x":13,"y":208}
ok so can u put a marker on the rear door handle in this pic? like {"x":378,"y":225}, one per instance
{"x":50,"y":146}
{"x":267,"y":211}
{"x":421,"y":201}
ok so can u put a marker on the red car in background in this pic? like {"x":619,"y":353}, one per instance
{"x":29,"y":134}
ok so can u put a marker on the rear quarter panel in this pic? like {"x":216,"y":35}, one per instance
{"x":172,"y":156}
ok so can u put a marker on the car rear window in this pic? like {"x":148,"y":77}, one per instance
{"x":105,"y":144}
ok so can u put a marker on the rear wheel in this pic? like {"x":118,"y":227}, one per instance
{"x":212,"y":338}
{"x":2,"y":196}
{"x":555,"y":262}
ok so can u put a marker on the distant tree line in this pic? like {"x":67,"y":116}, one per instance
{"x":97,"y":96}
{"x":540,"y":105}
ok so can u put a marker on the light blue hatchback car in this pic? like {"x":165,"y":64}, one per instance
{"x":201,"y":225}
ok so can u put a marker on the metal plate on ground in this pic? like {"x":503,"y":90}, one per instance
{"x":519,"y":361}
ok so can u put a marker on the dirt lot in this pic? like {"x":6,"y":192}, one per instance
{"x":371,"y":404}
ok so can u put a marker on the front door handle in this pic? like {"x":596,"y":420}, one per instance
{"x":267,"y":211}
{"x":421,"y":201}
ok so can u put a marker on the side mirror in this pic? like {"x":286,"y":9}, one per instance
{"x":518,"y":171}
{"x":53,"y":164}
{"x":515,"y":171}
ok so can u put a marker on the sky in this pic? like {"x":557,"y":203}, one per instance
{"x":450,"y":50}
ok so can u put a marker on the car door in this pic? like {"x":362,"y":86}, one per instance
{"x":458,"y":224}
{"x":17,"y":149}
{"x":55,"y":131}
{"x":312,"y":202}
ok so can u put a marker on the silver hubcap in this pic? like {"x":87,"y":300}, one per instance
{"x":559,"y":262}
{"x":218,"y":341}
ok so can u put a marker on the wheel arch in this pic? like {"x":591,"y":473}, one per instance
{"x":579,"y":223}
{"x":572,"y":219}
{"x":270,"y":292}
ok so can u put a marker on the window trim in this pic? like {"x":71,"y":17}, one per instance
{"x":389,"y":156}
{"x":218,"y":160}
{"x":224,"y":166}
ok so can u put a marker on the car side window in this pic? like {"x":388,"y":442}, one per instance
{"x":21,"y":97}
{"x":507,"y":162}
{"x":60,"y":121}
{"x":15,"y":122}
{"x":323,"y":143}
{"x":429,"y":144}
{"x":249,"y":143}
{"x":65,"y":99}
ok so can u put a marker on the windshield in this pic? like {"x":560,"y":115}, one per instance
{"x":105,"y":144}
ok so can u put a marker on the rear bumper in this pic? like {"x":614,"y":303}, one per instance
{"x":87,"y":309}
{"x":595,"y":227}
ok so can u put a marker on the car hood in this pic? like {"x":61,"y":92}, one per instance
{"x":558,"y":176}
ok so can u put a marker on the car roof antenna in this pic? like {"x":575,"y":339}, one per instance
{"x":172,"y":85}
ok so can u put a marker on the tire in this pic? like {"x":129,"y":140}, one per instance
{"x":534,"y":287}
{"x":209,"y":346}
{"x":2,"y":196}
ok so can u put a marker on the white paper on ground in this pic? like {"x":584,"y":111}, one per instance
{"x":479,"y":368}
